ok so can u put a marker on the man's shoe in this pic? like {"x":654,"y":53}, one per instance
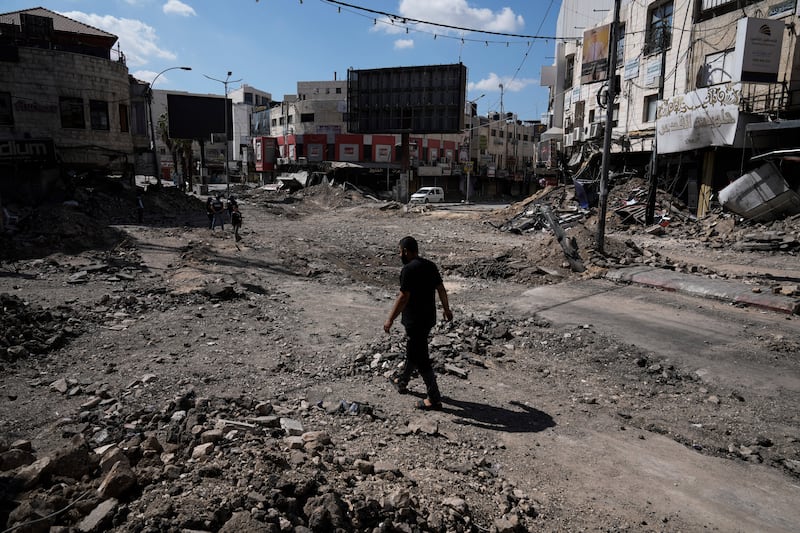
{"x":437,"y":406}
{"x":398,"y":385}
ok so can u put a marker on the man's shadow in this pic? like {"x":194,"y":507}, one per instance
{"x":522,"y":420}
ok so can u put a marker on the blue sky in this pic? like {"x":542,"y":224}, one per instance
{"x":273,"y":44}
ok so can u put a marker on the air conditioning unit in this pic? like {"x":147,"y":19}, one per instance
{"x":577,"y":134}
{"x":569,"y":140}
{"x":595,"y":130}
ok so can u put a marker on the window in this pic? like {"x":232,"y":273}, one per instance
{"x":580,"y":109}
{"x":98,"y":113}
{"x":659,"y":28}
{"x":138,"y":120}
{"x":338,"y":90}
{"x":569,"y":72}
{"x":6,"y":112}
{"x":650,"y":107}
{"x":306,"y":117}
{"x":248,"y":98}
{"x":620,"y":44}
{"x":494,"y":133}
{"x":123,"y":118}
{"x":72,"y":112}
{"x":717,"y":69}
{"x":707,"y":9}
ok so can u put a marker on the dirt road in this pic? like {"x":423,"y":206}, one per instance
{"x":571,"y":404}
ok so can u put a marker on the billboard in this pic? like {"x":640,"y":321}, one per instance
{"x":758,"y":49}
{"x":197,"y":117}
{"x":424,"y":99}
{"x":594,"y":58}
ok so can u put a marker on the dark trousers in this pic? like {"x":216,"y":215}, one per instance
{"x":417,"y":356}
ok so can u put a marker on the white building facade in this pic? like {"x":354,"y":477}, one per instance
{"x":686,"y":87}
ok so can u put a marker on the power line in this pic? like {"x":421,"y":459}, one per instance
{"x":405,"y":20}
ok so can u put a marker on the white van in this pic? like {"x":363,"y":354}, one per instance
{"x":428,"y":195}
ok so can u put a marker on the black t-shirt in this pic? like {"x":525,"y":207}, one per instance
{"x":419,"y":278}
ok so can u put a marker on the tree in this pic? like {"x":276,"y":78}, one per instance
{"x":180,"y":149}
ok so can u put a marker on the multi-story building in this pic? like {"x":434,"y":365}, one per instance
{"x":311,"y":127}
{"x":245,"y":100}
{"x":700,"y":83}
{"x":65,"y":102}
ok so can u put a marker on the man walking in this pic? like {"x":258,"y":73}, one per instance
{"x":218,"y":210}
{"x":419,"y":283}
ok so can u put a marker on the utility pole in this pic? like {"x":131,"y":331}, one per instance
{"x":505,"y":127}
{"x":225,"y":82}
{"x":469,"y":141}
{"x":650,"y":208}
{"x":612,"y":94}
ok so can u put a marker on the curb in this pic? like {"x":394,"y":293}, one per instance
{"x":717,"y":289}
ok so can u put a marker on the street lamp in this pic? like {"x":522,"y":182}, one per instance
{"x":152,"y":127}
{"x":225,"y":82}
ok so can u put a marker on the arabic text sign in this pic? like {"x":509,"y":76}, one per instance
{"x":701,"y":118}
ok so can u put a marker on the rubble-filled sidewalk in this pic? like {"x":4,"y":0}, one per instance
{"x":718,"y":289}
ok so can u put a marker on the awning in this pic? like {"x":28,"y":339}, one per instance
{"x":552,"y":133}
{"x":778,"y":154}
{"x":772,"y":126}
{"x":344,"y":164}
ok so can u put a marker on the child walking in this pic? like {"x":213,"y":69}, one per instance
{"x":236,"y":221}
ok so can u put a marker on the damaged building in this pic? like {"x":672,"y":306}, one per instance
{"x":67,"y":104}
{"x":702,"y":87}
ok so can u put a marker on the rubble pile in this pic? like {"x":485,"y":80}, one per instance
{"x":86,"y":220}
{"x":332,"y":196}
{"x":27,"y":329}
{"x":485,"y":341}
{"x":626,"y":215}
{"x":235,"y":464}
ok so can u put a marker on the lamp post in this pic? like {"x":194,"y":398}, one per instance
{"x":152,"y":126}
{"x":471,"y":129}
{"x":225,"y":82}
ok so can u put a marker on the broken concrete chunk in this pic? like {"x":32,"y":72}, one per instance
{"x":100,"y":517}
{"x":119,"y":480}
{"x":291,"y":426}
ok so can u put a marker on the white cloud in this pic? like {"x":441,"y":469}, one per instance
{"x":176,"y":7}
{"x":455,"y":13}
{"x":136,"y":38}
{"x":148,"y":76}
{"x":402,"y":44}
{"x":492,"y":84}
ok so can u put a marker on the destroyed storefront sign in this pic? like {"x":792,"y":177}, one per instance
{"x":761,"y":194}
{"x":698,"y":119}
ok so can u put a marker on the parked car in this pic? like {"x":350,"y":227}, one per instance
{"x":428,"y":195}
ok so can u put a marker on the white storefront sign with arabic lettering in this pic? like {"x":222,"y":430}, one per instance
{"x":699,"y":119}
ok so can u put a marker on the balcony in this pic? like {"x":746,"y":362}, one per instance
{"x":761,"y":98}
